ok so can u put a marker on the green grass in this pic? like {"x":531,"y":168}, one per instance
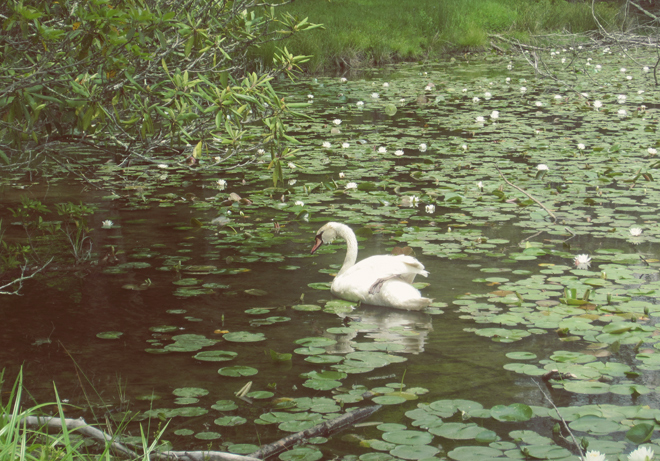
{"x":372,"y":32}
{"x":18,"y":441}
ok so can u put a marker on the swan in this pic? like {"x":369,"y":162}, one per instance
{"x":383,"y":280}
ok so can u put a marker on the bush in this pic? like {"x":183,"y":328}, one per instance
{"x":140,"y":77}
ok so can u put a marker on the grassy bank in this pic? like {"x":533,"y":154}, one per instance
{"x":367,"y":32}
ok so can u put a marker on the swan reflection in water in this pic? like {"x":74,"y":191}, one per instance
{"x":388,"y":330}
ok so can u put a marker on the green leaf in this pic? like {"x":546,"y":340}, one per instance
{"x":514,"y":412}
{"x":640,"y":433}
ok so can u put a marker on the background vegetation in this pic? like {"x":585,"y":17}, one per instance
{"x":140,"y":78}
{"x":365,"y":32}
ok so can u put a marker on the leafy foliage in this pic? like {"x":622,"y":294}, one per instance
{"x":141,"y":78}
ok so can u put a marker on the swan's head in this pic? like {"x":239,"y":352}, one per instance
{"x":326,"y":234}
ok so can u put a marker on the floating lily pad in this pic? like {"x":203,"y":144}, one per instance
{"x":190,"y":392}
{"x":110,"y":335}
{"x":230,"y":421}
{"x":238,"y":371}
{"x":244,"y":337}
{"x":216,"y":356}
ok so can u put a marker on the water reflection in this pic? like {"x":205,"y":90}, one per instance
{"x":386,"y":326}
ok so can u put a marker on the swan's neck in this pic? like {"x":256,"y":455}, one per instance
{"x":347,"y":234}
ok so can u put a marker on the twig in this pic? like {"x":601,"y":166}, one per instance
{"x":21,"y":279}
{"x":80,"y":426}
{"x":554,"y":218}
{"x":320,"y":429}
{"x":578,"y":446}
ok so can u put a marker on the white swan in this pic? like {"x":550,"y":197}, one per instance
{"x":383,"y":280}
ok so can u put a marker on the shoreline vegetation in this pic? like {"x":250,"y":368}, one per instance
{"x":355,"y":36}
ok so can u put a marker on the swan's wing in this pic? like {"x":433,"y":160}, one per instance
{"x":393,"y":275}
{"x":388,"y":266}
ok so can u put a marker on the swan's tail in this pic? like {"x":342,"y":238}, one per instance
{"x":416,"y":304}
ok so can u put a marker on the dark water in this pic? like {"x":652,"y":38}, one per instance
{"x":50,"y":331}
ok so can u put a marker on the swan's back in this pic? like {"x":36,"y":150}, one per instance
{"x":394,"y":276}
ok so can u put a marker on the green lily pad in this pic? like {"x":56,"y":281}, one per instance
{"x":238,"y":371}
{"x":244,"y":337}
{"x":110,"y":335}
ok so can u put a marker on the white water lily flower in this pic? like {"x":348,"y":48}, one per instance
{"x":640,"y":92}
{"x":310,"y":96}
{"x":351,"y":185}
{"x":495,"y":114}
{"x":621,"y":98}
{"x":641,"y":454}
{"x":337,"y":121}
{"x":163,"y":166}
{"x":480,"y":185}
{"x":542,"y":167}
{"x":464,"y":90}
{"x":598,"y":67}
{"x":261,"y":152}
{"x":422,"y":147}
{"x":222,"y":184}
{"x":645,"y":69}
{"x":558,"y":97}
{"x":475,"y":99}
{"x":628,"y":77}
{"x":581,"y":146}
{"x":464,"y":147}
{"x":398,"y":152}
{"x":430,"y":208}
{"x":382,"y":150}
{"x":292,"y":165}
{"x":594,"y":456}
{"x":652,"y":151}
{"x":508,"y":80}
{"x":292,"y":182}
{"x":385,"y":85}
{"x":402,"y":100}
{"x":107,"y":224}
{"x":598,"y":105}
{"x":635,"y":231}
{"x":487,"y":95}
{"x":299,"y":203}
{"x":563,"y":60}
{"x":345,"y":145}
{"x":327,"y":145}
{"x":622,"y":113}
{"x":342,"y":175}
{"x":623,"y":70}
{"x":359,"y":104}
{"x":523,"y":89}
{"x":509,"y":66}
{"x":480,"y":119}
{"x":343,"y":80}
{"x":375,"y":95}
{"x":583,"y":261}
{"x":538,"y":104}
{"x":410,"y":201}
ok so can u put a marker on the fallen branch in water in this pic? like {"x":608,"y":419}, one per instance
{"x":575,"y":442}
{"x":322,"y":429}
{"x":81,"y":427}
{"x":325,"y":428}
{"x":554,"y":218}
{"x":21,"y":279}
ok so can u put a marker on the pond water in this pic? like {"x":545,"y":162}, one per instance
{"x":191,"y":311}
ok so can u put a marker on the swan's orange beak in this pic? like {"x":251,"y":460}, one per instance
{"x":318,"y":241}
